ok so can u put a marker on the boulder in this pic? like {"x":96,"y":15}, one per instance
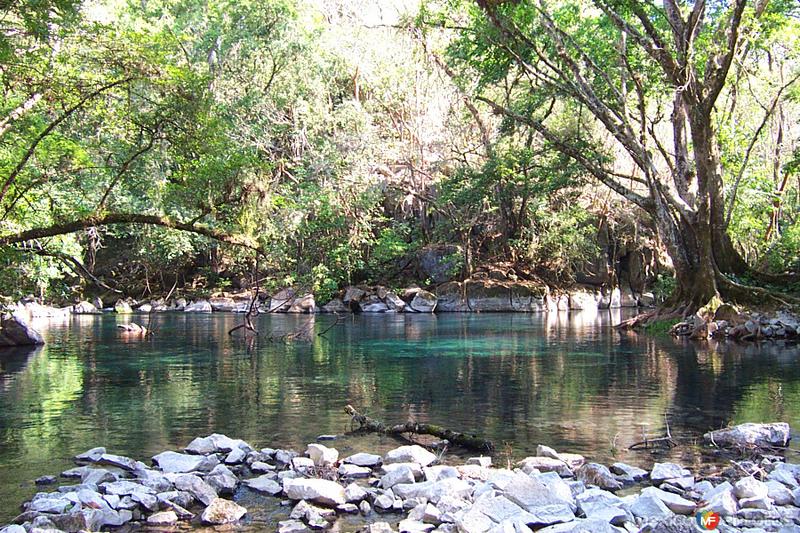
{"x":423,"y":302}
{"x":222,"y":480}
{"x":84,"y":308}
{"x":373,"y":304}
{"x":626,"y":470}
{"x":433,"y":491}
{"x":750,"y":487}
{"x":322,"y":455}
{"x":221,"y":511}
{"x":175,"y":462}
{"x":622,"y":297}
{"x":778,"y":493}
{"x":319,"y":491}
{"x":222,"y":304}
{"x":396,"y":476}
{"x":764,"y":435}
{"x":14,"y":331}
{"x":164,"y":518}
{"x":721,"y":500}
{"x":648,"y":506}
{"x":394,"y":302}
{"x":335,"y":306}
{"x":451,"y":298}
{"x":583,"y":299}
{"x":409,"y":454}
{"x":353,"y":295}
{"x":195,"y":486}
{"x":122,"y":307}
{"x":303,"y":304}
{"x":264,"y":483}
{"x":666,"y":471}
{"x":354,"y":471}
{"x":364,"y":459}
{"x":354,"y":493}
{"x":674,"y":502}
{"x":281,"y":301}
{"x":214,"y":443}
{"x":537,"y":498}
{"x":199,"y":306}
{"x":545,"y":464}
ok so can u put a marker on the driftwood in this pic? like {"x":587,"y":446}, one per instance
{"x":665,"y":441}
{"x":366,"y":423}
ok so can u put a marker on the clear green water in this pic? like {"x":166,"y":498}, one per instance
{"x":568,"y":381}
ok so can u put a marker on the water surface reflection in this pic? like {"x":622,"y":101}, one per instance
{"x":569,"y":381}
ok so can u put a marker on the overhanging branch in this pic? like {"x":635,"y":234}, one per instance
{"x":127,"y":218}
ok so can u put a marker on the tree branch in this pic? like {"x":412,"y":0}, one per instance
{"x":49,"y":129}
{"x":127,"y":218}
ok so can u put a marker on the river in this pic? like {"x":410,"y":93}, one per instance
{"x":566,"y":380}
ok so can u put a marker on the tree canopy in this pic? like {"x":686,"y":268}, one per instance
{"x":324,"y":143}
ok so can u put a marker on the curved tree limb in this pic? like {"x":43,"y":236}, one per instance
{"x":128,"y":218}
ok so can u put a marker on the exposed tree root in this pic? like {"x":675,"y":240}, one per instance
{"x":366,"y":423}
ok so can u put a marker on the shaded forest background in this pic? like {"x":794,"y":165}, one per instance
{"x":209,"y":145}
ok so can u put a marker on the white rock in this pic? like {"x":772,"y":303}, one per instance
{"x":319,"y":491}
{"x":322,"y":455}
{"x":410,"y":454}
{"x":721,"y":501}
{"x":675,"y":503}
{"x":163,"y":518}
{"x":778,"y":492}
{"x":264,"y":483}
{"x":649,"y":506}
{"x":195,"y":486}
{"x":354,"y":471}
{"x":433,"y":491}
{"x":750,"y":487}
{"x":221,"y":511}
{"x":236,"y":456}
{"x":764,"y":435}
{"x":354,"y":493}
{"x":364,"y":459}
{"x":544,"y":464}
{"x":414,"y":526}
{"x":636,"y":474}
{"x":435,"y":473}
{"x":664,"y":471}
{"x":397,"y":476}
{"x":178,"y":462}
{"x":302,"y":463}
{"x":536,"y":498}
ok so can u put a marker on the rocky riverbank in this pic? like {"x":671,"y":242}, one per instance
{"x":407,"y":490}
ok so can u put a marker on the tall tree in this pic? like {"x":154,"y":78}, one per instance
{"x":650,"y":74}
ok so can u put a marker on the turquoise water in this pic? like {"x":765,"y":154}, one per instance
{"x":568,"y":381}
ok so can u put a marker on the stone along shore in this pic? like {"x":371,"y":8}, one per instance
{"x":405,"y":490}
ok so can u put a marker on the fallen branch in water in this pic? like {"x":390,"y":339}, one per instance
{"x":666,"y":440}
{"x":366,"y":423}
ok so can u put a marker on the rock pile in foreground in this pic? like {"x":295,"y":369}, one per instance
{"x":405,"y":490}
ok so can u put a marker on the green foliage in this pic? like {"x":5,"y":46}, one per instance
{"x":663,"y":287}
